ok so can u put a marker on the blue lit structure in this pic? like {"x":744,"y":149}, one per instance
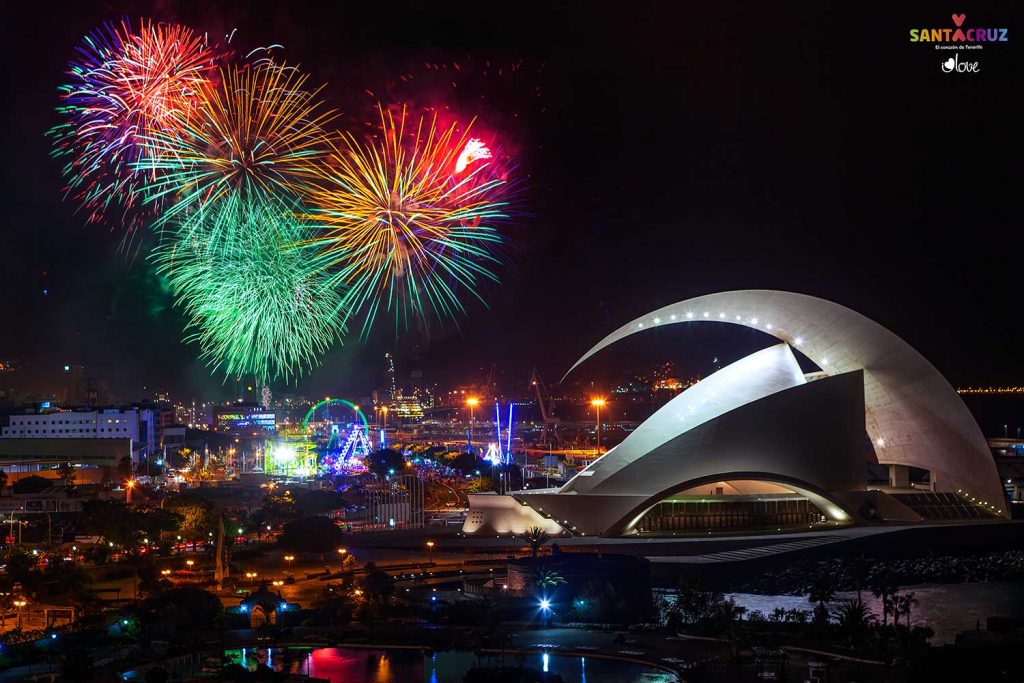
{"x":508,"y":448}
{"x":497,"y":431}
{"x":356,"y":447}
{"x":497,"y":454}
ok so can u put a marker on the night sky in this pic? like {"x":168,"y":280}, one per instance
{"x":665,"y":150}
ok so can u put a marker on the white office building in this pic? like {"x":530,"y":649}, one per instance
{"x":105,"y":423}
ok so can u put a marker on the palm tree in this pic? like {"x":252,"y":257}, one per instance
{"x":546,"y":578}
{"x":884,"y":586}
{"x":821,"y":593}
{"x":853,"y":618}
{"x":902,"y":605}
{"x":857,"y":568}
{"x":535,"y":537}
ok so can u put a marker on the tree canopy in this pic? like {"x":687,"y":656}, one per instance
{"x":126,"y":525}
{"x":311,"y":535}
{"x":385,"y":461}
{"x":465,"y":462}
{"x":198,"y":517}
{"x":376,"y":584}
{"x":184,"y":610}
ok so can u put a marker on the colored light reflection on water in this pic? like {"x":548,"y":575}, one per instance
{"x":335,"y":664}
{"x":452,"y":666}
{"x":341,"y":665}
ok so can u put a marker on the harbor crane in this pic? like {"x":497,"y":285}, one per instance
{"x":547,"y":408}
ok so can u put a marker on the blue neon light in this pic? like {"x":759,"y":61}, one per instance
{"x":497,"y":428}
{"x":508,"y":449}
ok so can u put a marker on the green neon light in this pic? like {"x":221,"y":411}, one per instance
{"x":336,"y":402}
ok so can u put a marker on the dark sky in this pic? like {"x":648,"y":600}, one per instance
{"x":666,"y":150}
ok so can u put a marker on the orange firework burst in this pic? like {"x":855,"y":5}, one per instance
{"x":408,"y":219}
{"x":258,"y":131}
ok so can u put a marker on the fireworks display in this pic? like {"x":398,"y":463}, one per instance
{"x":408,"y":219}
{"x":273,"y":231}
{"x":258,"y":131}
{"x":255,"y":304}
{"x":126,"y":84}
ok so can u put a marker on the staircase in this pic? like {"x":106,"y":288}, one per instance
{"x":933,"y":505}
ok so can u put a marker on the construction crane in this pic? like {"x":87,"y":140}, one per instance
{"x":547,"y":408}
{"x":491,"y":388}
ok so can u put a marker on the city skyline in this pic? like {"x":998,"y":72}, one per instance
{"x":551,"y":341}
{"x":627,"y":199}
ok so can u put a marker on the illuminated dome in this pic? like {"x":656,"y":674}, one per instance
{"x":759,"y":443}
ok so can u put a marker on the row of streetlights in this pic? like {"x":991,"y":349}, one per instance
{"x":473,"y":402}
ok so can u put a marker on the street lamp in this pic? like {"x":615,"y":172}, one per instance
{"x":128,"y":486}
{"x":430,"y":551}
{"x":384,"y":426}
{"x":251,"y":576}
{"x":598,"y":403}
{"x":190,"y":563}
{"x":19,"y":604}
{"x":289,"y":559}
{"x":545,"y":608}
{"x":472,"y":402}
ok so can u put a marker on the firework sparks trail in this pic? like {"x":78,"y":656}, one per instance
{"x":408,"y":220}
{"x":273,"y":232}
{"x":258,"y":131}
{"x":126,"y":83}
{"x":255,"y":304}
{"x":474,"y":151}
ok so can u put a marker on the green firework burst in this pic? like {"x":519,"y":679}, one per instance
{"x":254,"y":303}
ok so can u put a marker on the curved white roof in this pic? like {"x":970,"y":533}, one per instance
{"x":754,"y":377}
{"x":913,"y":416}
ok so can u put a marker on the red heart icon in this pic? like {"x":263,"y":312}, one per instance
{"x":958,"y":19}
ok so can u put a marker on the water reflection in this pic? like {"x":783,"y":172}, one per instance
{"x":947,"y":609}
{"x":334,"y":664}
{"x":340,"y":665}
{"x":452,"y":666}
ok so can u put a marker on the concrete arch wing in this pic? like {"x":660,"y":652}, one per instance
{"x":749,"y":379}
{"x":833,"y":508}
{"x":913,"y":415}
{"x":811,"y":433}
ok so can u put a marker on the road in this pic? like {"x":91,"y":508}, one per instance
{"x":443,"y":497}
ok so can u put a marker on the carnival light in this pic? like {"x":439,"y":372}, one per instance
{"x":493,"y":454}
{"x":284,"y":454}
